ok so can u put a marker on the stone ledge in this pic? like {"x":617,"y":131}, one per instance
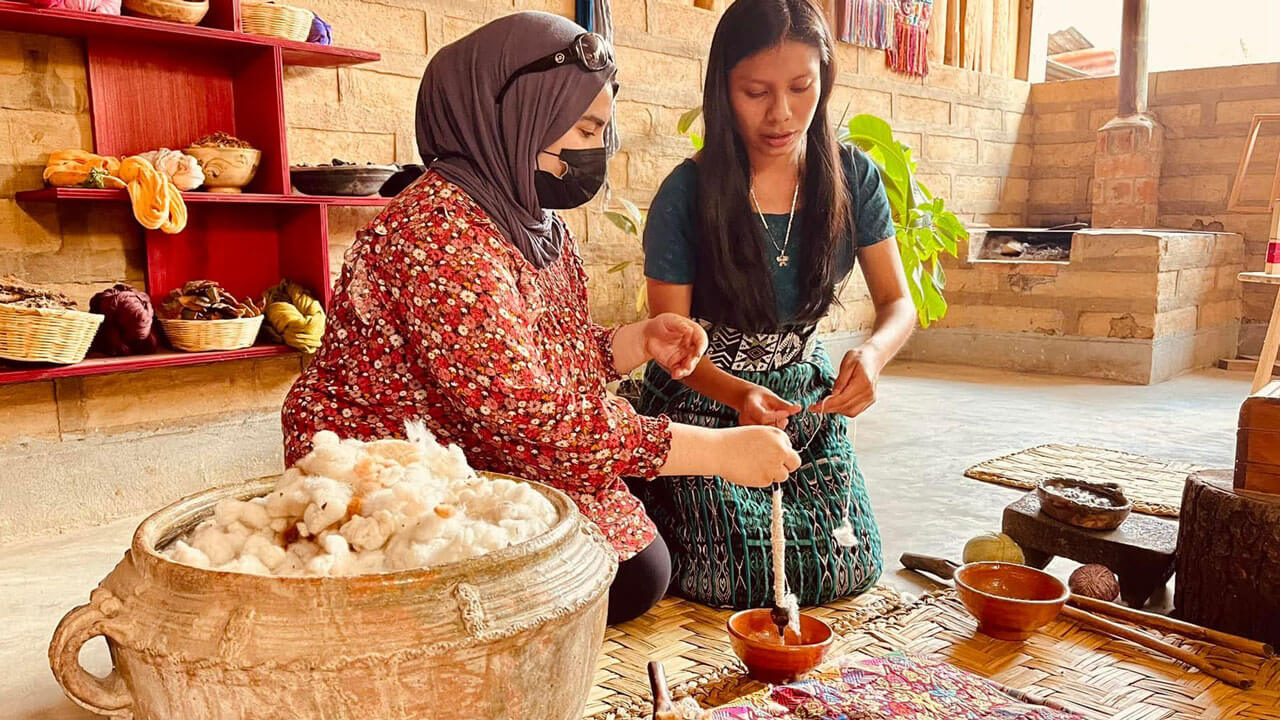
{"x":99,"y":479}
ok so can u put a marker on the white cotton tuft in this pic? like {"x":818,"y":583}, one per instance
{"x":351,"y":507}
{"x":844,"y":535}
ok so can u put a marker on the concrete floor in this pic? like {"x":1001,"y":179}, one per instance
{"x":930,"y":424}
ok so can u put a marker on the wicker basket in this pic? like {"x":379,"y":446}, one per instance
{"x":204,"y":335}
{"x":276,"y":20}
{"x":51,"y":335}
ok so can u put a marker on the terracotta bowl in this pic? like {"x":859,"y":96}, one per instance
{"x":226,"y":170}
{"x":756,"y":643}
{"x":1009,"y":601}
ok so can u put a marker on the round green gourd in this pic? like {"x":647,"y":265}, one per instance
{"x":993,"y":547}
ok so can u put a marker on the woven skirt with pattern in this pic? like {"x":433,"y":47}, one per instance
{"x":718,"y":532}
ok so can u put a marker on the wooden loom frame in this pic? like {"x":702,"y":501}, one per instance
{"x":1233,"y":202}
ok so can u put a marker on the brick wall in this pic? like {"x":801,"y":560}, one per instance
{"x":1130,"y":305}
{"x":1206,"y":115}
{"x":85,"y":450}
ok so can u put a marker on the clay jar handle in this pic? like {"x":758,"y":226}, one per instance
{"x":104,"y":696}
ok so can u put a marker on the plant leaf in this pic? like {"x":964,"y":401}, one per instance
{"x":632,"y":212}
{"x":871,"y":127}
{"x":696,"y":140}
{"x":619,"y":267}
{"x":687,"y":118}
{"x":642,"y":298}
{"x":626,"y":224}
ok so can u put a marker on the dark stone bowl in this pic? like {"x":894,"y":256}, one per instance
{"x":1107,"y":509}
{"x":353,"y":180}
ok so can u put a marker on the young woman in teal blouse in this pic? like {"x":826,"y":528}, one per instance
{"x":752,"y":237}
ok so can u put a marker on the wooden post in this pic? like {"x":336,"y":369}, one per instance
{"x":1000,"y":37}
{"x":1133,"y":59}
{"x":938,"y":33}
{"x":1228,"y":562}
{"x":955,"y":11}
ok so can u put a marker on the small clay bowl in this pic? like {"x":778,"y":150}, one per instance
{"x":1106,"y":510}
{"x":352,"y":180}
{"x":226,"y":169}
{"x":756,"y":643}
{"x":1009,"y":601}
{"x":187,"y":12}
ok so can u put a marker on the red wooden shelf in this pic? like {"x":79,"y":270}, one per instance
{"x":19,"y":373}
{"x":156,"y":84}
{"x":348,"y":200}
{"x":20,"y":17}
{"x":57,"y":194}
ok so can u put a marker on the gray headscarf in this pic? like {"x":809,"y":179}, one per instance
{"x":491,"y":150}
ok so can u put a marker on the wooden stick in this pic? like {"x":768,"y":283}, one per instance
{"x":1088,"y":619}
{"x":1186,"y":629}
{"x":661,"y":694}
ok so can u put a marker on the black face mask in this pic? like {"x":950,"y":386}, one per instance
{"x":580,"y":183}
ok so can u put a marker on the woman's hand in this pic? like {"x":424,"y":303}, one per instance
{"x":754,"y":456}
{"x":759,"y":406}
{"x":675,"y":342}
{"x":855,"y":387}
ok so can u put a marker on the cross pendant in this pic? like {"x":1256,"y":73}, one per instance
{"x":783,"y":260}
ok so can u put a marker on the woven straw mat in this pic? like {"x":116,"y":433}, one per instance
{"x":1153,"y":486}
{"x":1090,"y":673}
{"x":1064,"y":663}
{"x":691,"y":642}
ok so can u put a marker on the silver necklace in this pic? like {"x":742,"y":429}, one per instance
{"x":783,"y":259}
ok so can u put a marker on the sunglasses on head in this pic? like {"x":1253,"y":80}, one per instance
{"x":589,"y":50}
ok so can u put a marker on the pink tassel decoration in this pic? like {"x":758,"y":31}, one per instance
{"x":909,"y":53}
{"x":868,"y":23}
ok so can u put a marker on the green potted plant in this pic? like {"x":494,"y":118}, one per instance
{"x":925,"y":228}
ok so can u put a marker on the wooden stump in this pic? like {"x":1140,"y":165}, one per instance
{"x":1228,"y":564}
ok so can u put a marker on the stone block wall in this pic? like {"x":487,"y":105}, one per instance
{"x":1134,"y":306}
{"x":86,"y":450}
{"x":1205,"y":114}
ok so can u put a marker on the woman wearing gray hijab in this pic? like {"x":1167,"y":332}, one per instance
{"x":464,"y":303}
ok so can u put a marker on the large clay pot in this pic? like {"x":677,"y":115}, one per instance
{"x":512,"y":634}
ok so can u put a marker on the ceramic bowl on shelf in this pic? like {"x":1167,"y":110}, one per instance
{"x":351,"y":180}
{"x":226,"y":169}
{"x":187,"y":12}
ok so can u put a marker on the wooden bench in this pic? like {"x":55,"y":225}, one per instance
{"x":1140,"y":551}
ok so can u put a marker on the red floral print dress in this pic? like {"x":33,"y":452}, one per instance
{"x":438,"y":318}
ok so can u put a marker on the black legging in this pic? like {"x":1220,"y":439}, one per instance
{"x":640,"y":583}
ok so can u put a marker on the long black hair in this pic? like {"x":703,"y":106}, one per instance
{"x":734,"y":285}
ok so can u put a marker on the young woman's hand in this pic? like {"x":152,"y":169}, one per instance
{"x":855,"y":387}
{"x":759,"y":406}
{"x":754,"y":456}
{"x":675,"y":342}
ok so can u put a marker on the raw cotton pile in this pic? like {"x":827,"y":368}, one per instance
{"x":351,"y":507}
{"x":685,"y":709}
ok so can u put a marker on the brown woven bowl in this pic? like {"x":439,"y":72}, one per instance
{"x":205,"y":335}
{"x":187,"y":12}
{"x":48,"y":335}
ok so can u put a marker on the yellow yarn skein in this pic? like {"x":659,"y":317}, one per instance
{"x":294,"y":317}
{"x":157,"y":202}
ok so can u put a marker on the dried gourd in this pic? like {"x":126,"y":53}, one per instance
{"x":207,"y":300}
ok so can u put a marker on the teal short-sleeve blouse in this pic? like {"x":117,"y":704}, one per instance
{"x":670,"y":234}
